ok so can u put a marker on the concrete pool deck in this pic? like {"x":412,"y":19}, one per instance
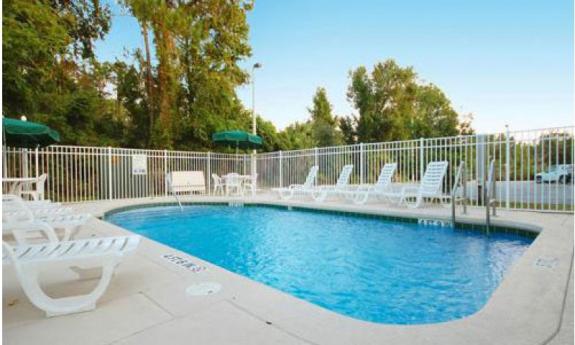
{"x":147,"y":302}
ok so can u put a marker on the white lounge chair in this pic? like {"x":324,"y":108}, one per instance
{"x":26,"y":232}
{"x":429,"y":188}
{"x":379,"y":189}
{"x":307,"y":187}
{"x":18,"y":216}
{"x":29,"y":260}
{"x":320,"y":193}
{"x":11,"y":200}
{"x":36,"y":193}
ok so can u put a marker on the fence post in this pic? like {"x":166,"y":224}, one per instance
{"x":507,"y":166}
{"x":480,"y":162}
{"x":209,"y":168}
{"x":281,"y":169}
{"x":165,"y":172}
{"x":421,"y":156}
{"x":315,"y":162}
{"x":361,"y":163}
{"x":110,"y":189}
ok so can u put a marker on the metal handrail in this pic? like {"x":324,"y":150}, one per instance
{"x":169,"y":187}
{"x":460,"y":181}
{"x":489,"y":194}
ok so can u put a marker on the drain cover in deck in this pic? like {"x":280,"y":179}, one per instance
{"x":203,"y":289}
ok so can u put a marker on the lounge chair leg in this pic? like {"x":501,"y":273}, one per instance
{"x":28,"y":275}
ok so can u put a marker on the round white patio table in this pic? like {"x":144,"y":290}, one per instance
{"x":235,"y":181}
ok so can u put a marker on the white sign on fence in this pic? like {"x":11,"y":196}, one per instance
{"x":139,"y":165}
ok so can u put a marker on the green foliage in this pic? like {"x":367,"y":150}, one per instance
{"x":85,"y":22}
{"x":323,"y":124}
{"x":393,"y":105}
{"x":51,"y":75}
{"x":45,"y":77}
{"x":198,"y":45}
{"x":298,"y":136}
{"x":32,"y":35}
{"x":347,"y":126}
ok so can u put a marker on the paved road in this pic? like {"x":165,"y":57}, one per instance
{"x":530,"y":192}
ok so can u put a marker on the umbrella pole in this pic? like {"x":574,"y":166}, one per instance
{"x":4,"y":154}
{"x":5,"y":161}
{"x":36,"y":163}
{"x":237,"y":148}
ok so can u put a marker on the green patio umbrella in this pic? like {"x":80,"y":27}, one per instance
{"x":237,"y":139}
{"x":28,"y":134}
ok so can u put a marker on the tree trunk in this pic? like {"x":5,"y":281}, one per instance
{"x":166,"y":84}
{"x":149,"y":88}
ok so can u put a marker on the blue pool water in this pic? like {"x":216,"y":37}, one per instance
{"x":366,"y":268}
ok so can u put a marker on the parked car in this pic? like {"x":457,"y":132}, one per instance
{"x":560,"y":173}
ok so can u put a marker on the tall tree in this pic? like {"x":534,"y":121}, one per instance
{"x":49,"y":70}
{"x":393,"y":105}
{"x":433,"y":115}
{"x":323,"y":124}
{"x":143,"y":11}
{"x":198,"y":45}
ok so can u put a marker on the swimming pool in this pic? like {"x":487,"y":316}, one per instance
{"x":363,"y":267}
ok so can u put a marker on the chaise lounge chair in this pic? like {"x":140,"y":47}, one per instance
{"x":320,"y":193}
{"x":29,"y":260}
{"x":379,"y":189}
{"x":429,"y":188}
{"x":307,"y":187}
{"x":18,"y":215}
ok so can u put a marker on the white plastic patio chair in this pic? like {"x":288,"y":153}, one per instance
{"x":30,"y":260}
{"x":321,"y":193}
{"x":38,"y":192}
{"x":218,"y":184}
{"x":429,"y":188}
{"x":307,"y":187}
{"x":234,"y":184}
{"x":379,"y":189}
{"x":249,"y":185}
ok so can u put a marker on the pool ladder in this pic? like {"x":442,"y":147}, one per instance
{"x":460,"y":181}
{"x":169,"y":186}
{"x":489,"y":193}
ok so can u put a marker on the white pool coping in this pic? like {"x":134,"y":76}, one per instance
{"x":147,"y":301}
